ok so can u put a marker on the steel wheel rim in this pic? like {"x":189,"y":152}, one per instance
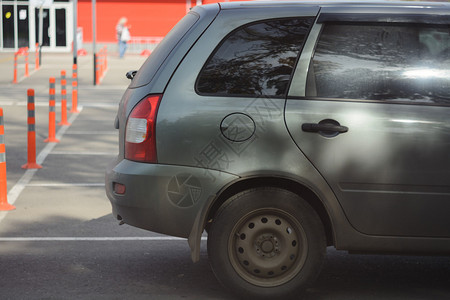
{"x":267,"y":247}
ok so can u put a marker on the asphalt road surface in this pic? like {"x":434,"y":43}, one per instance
{"x":61,"y":241}
{"x":153,"y":269}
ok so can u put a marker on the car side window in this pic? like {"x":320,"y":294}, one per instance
{"x":256,"y":59}
{"x":388,"y":62}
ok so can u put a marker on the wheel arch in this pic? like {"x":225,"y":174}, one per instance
{"x":278,"y":182}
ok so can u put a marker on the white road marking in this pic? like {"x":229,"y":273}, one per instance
{"x":49,"y":184}
{"x":91,"y":239}
{"x":20,"y":185}
{"x":83,"y":153}
{"x":29,"y":74}
{"x":106,"y":105}
{"x":93,"y":132}
{"x":58,"y":104}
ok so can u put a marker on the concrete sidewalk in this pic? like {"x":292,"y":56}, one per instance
{"x":66,"y":197}
{"x":13,"y":97}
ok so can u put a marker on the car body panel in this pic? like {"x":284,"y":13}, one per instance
{"x":405,"y":192}
{"x":162,"y":198}
{"x":165,"y":68}
{"x":393,"y":161}
{"x":218,"y":143}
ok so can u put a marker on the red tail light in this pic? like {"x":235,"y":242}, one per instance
{"x":140,"y":142}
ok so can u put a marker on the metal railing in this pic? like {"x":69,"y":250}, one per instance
{"x":140,"y":44}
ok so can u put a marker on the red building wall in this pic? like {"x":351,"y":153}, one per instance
{"x":148,"y":18}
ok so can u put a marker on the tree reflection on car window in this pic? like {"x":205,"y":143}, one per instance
{"x":257,"y":59}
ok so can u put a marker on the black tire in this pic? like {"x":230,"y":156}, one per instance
{"x":266,"y":243}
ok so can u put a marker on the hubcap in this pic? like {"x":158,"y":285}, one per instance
{"x":267,"y":247}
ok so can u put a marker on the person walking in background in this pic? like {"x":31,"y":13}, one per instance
{"x":123,"y":35}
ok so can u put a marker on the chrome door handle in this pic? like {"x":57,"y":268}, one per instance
{"x":312,"y":127}
{"x":327,"y":127}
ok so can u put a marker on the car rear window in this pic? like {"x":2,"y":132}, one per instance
{"x":255,"y":59}
{"x":162,"y":51}
{"x":387,"y":62}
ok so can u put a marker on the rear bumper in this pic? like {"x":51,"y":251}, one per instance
{"x":167,"y":199}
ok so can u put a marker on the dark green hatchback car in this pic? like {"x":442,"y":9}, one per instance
{"x":283,"y":128}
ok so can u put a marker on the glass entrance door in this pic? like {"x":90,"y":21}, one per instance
{"x":20,"y":26}
{"x":45,"y":25}
{"x":15,"y":25}
{"x":8,"y":26}
{"x":55,"y":35}
{"x":60,"y":27}
{"x":23,"y":26}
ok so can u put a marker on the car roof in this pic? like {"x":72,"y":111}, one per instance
{"x":340,"y":4}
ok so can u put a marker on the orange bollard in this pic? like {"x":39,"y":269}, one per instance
{"x":31,"y":164}
{"x":36,"y":63}
{"x":102,"y":67}
{"x":74,"y":90}
{"x":15,"y":67}
{"x":63,"y":121}
{"x":4,"y":205}
{"x":100,"y":64}
{"x":97,"y":70}
{"x":145,"y":52}
{"x":26,"y":62}
{"x":103,"y":61}
{"x":75,"y":71}
{"x":51,"y":114}
{"x":106,"y":58}
{"x":74,"y":96}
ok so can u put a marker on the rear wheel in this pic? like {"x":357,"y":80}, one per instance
{"x":266,"y":243}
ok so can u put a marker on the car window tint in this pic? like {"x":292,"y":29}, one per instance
{"x":382,"y":62}
{"x":257,"y":59}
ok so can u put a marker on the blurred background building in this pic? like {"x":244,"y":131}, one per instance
{"x":150,"y":21}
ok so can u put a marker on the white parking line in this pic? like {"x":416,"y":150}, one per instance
{"x":20,"y":185}
{"x":93,"y":132}
{"x":29,"y":74}
{"x":91,"y":239}
{"x":49,"y":184}
{"x":83,"y":153}
{"x":102,"y":105}
{"x":45,"y":103}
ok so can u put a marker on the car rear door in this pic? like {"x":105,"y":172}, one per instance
{"x":369,"y":106}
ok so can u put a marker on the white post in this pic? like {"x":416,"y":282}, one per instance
{"x":41,"y":25}
{"x":75,"y":26}
{"x":93,"y":40}
{"x":16,"y":28}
